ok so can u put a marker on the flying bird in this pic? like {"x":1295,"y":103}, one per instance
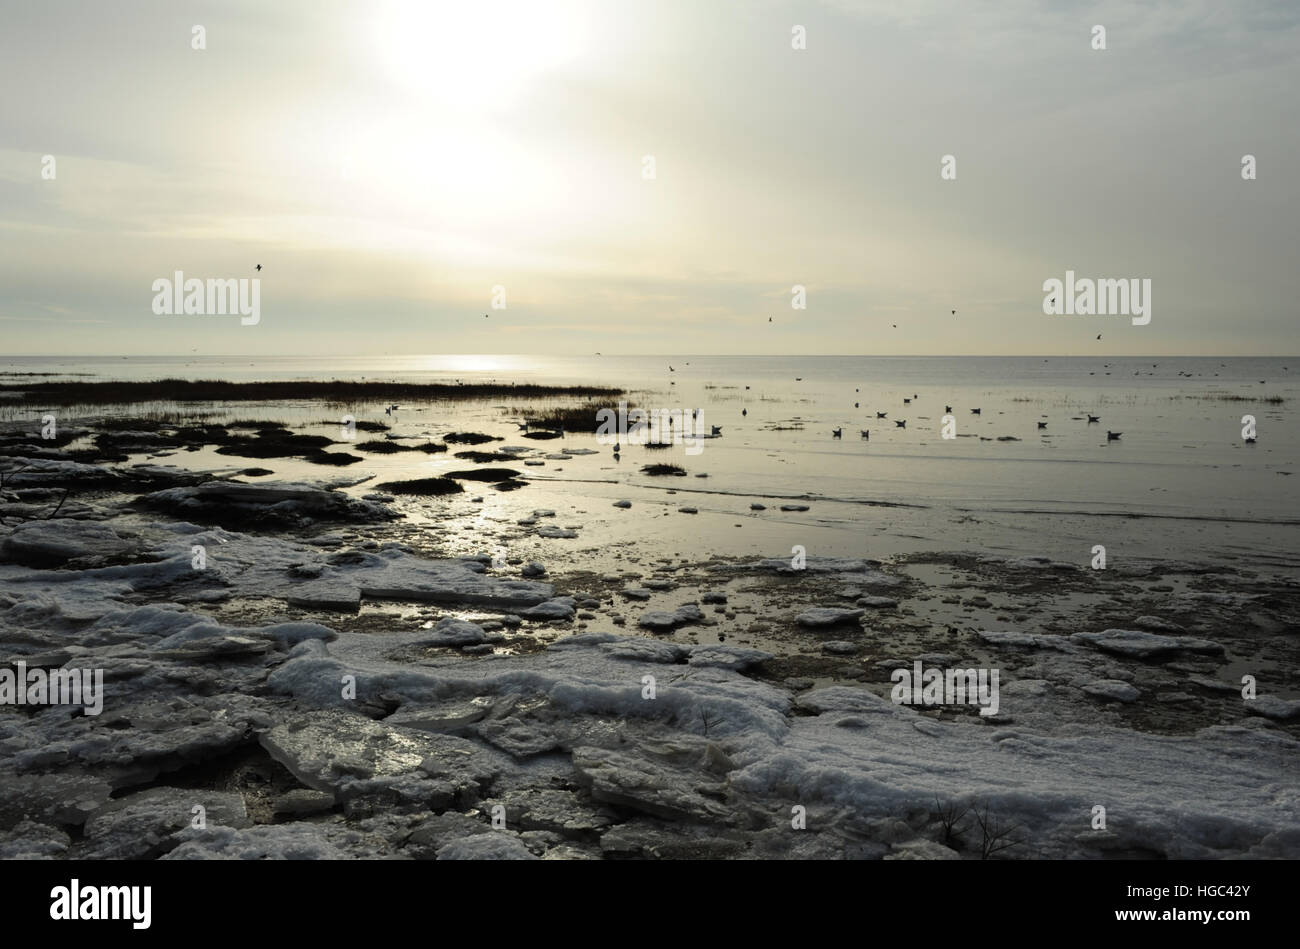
{"x":1042,"y":425}
{"x":835,"y":433}
{"x":881,"y":414}
{"x":1099,"y":336}
{"x":865,"y":434}
{"x":259,"y":267}
{"x":901,"y":423}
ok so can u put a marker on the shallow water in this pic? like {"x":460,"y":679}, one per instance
{"x":1181,"y":482}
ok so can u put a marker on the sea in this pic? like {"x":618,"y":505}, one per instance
{"x":1183,"y":479}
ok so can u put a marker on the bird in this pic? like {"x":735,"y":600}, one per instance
{"x":881,"y":414}
{"x":901,"y":424}
{"x":865,"y":434}
{"x":259,"y":268}
{"x":1113,"y":436}
{"x":1042,"y":425}
{"x":1094,"y":418}
{"x":485,"y":316}
{"x":954,"y":312}
{"x":744,"y":411}
{"x":671,"y":369}
{"x":974,"y":411}
{"x":947,"y":408}
{"x":907,"y":401}
{"x":769,"y":319}
{"x":717,"y":429}
{"x":855,"y":405}
{"x":835,"y":432}
{"x":895,"y":326}
{"x":1250,"y":441}
{"x":617,"y":447}
{"x":1099,"y":336}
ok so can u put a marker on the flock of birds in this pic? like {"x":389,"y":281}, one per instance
{"x":902,"y":423}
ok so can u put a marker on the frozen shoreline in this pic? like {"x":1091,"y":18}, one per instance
{"x":490,"y":689}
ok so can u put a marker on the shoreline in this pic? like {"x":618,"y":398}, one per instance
{"x":517,"y":679}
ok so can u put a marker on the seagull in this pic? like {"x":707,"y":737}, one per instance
{"x":1113,"y":436}
{"x":901,"y":424}
{"x":717,"y":429}
{"x":881,"y":414}
{"x":947,"y":408}
{"x":865,"y":434}
{"x":259,"y":267}
{"x":769,"y":319}
{"x":974,"y":411}
{"x":1042,"y":425}
{"x":954,"y":312}
{"x":907,"y":401}
{"x":1099,"y":336}
{"x":744,"y":411}
{"x":835,"y":433}
{"x":1094,"y":418}
{"x":855,"y":405}
{"x":895,"y":326}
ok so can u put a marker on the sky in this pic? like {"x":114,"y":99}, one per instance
{"x":390,"y":163}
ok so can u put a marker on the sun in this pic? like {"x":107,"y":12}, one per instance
{"x":477,"y":54}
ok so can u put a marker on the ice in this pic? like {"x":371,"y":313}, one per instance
{"x":1111,"y":689}
{"x":559,"y":608}
{"x":1270,"y":706}
{"x":727,"y":657}
{"x":148,"y":824}
{"x":271,"y":502}
{"x":661,"y":621}
{"x":1144,"y":645}
{"x":828,"y":616}
{"x":54,"y":543}
{"x":450,"y":631}
{"x":490,"y":846}
{"x":350,"y":756}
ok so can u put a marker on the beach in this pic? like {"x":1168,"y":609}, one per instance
{"x":439,"y":622}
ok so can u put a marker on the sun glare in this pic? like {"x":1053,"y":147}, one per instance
{"x":476,"y":54}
